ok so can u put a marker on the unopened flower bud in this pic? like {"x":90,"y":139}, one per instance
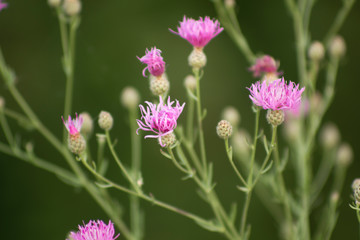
{"x":355,"y":184}
{"x":316,"y":51}
{"x":72,"y":7}
{"x":190,"y":82}
{"x":334,"y":197}
{"x":224,"y":129}
{"x":316,"y":102}
{"x":292,"y":129}
{"x":101,"y":138}
{"x":130,"y":97}
{"x":232,"y":115}
{"x":329,"y":136}
{"x":270,"y":77}
{"x":337,"y":47}
{"x":275,"y":117}
{"x":54,"y":3}
{"x":345,"y":155}
{"x":230,"y":3}
{"x":105,"y":120}
{"x":357,"y":195}
{"x":197,"y":58}
{"x":159,"y":85}
{"x":168,"y":140}
{"x":239,"y":141}
{"x":76,"y":143}
{"x":87,"y":125}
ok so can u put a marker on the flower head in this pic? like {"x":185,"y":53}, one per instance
{"x":264,"y":65}
{"x":198,"y":32}
{"x":73,"y":125}
{"x":94,"y":230}
{"x":3,"y":5}
{"x":154,"y":61}
{"x":160,"y":119}
{"x":276,"y":95}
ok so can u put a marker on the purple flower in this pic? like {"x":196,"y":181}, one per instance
{"x":198,"y":32}
{"x":2,"y":5}
{"x":264,"y":65}
{"x":276,"y":95}
{"x":94,"y":231}
{"x":154,"y":61}
{"x":73,"y":125}
{"x":160,"y":119}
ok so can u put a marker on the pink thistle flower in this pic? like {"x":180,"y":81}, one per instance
{"x":94,"y":231}
{"x":73,"y":125}
{"x":3,"y":5}
{"x":154,"y":61}
{"x":264,"y":65}
{"x":160,"y":119}
{"x":277,"y":95}
{"x":198,"y":32}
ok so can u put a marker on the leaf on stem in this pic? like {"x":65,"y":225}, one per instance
{"x":211,"y":226}
{"x":204,"y":113}
{"x":233,"y":212}
{"x":191,"y":94}
{"x":103,"y":185}
{"x":284,"y":160}
{"x":267,"y":168}
{"x":243,"y":189}
{"x":266,"y":146}
{"x":165,"y":154}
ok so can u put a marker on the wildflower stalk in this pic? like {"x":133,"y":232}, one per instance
{"x":200,"y":118}
{"x":283,"y":192}
{"x":135,"y":213}
{"x":229,"y":154}
{"x":40,"y":163}
{"x":151,"y":199}
{"x":6,"y":128}
{"x":228,"y":19}
{"x":301,"y":39}
{"x":190,"y":120}
{"x":228,"y":227}
{"x":249,"y":184}
{"x":68,"y":40}
{"x":338,"y":21}
{"x":118,"y":162}
{"x":9,"y":78}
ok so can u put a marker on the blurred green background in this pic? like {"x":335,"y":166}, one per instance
{"x":36,"y":205}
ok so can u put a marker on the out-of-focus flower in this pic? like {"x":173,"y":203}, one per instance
{"x":3,"y":5}
{"x":198,"y":32}
{"x":94,"y":230}
{"x":265,"y":65}
{"x":160,"y":119}
{"x":277,"y":95}
{"x":154,"y":61}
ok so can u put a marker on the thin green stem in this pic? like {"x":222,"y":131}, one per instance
{"x":118,"y":162}
{"x":190,"y":120}
{"x":283,"y":192}
{"x":230,"y":157}
{"x":232,"y":26}
{"x":91,"y":189}
{"x":135,"y":213}
{"x":200,"y":118}
{"x":338,"y":21}
{"x":253,"y":147}
{"x":40,"y":163}
{"x":150,"y":198}
{"x":6,"y":128}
